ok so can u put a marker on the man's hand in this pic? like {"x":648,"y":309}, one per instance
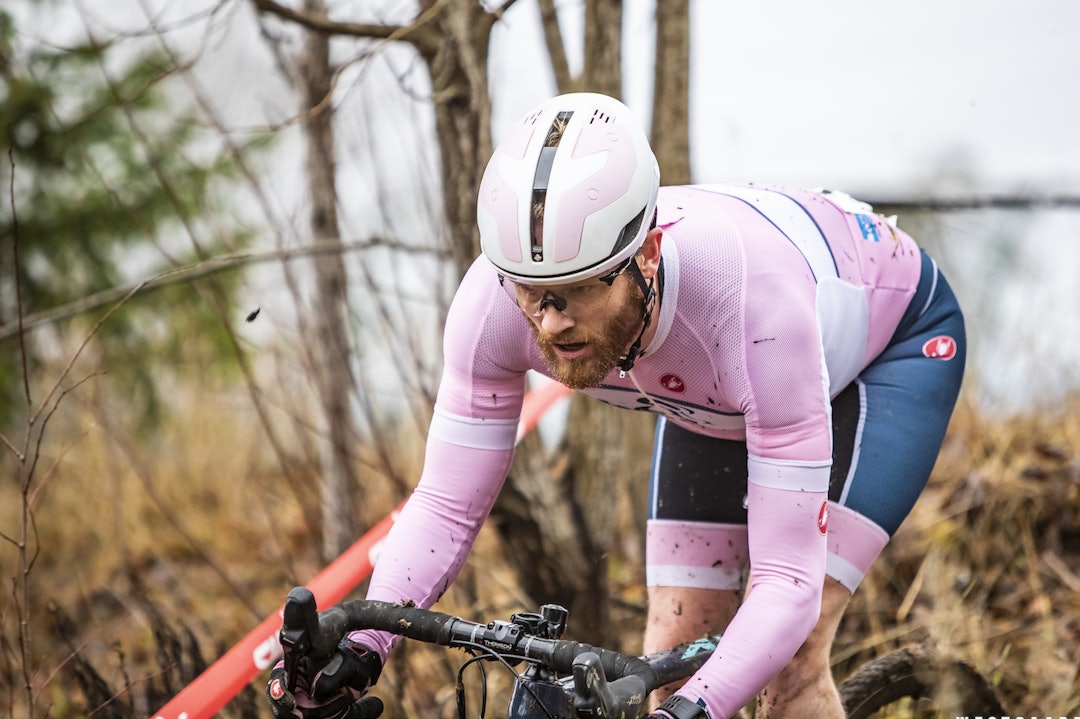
{"x":334,"y":691}
{"x":678,"y":707}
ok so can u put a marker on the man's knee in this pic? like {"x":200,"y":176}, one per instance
{"x":680,"y":614}
{"x":812,"y":660}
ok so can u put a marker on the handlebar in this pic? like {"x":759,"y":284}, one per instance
{"x":607,"y":683}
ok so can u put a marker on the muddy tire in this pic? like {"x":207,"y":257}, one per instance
{"x":954,"y":687}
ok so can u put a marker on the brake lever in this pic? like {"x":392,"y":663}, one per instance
{"x":596,"y":697}
{"x":300,"y":622}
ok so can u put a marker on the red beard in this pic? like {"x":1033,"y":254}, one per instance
{"x":607,"y":345}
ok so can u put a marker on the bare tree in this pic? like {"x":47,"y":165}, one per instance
{"x":452,"y":36}
{"x":603,"y":47}
{"x":330,"y":351}
{"x":670,"y":135}
{"x":562,"y":521}
{"x":558,"y":523}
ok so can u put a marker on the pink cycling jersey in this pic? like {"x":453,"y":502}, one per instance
{"x":773,"y":300}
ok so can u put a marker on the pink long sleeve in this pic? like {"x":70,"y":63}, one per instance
{"x":430,"y":541}
{"x":787,"y":558}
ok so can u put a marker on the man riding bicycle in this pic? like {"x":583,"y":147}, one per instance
{"x":804,"y":356}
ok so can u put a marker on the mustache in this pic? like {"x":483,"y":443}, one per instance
{"x":568,"y":337}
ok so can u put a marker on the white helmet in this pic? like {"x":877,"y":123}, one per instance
{"x":595,"y":183}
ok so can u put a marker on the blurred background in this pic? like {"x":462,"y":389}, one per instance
{"x":230,"y":231}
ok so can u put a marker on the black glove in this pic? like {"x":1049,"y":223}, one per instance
{"x":678,"y":707}
{"x":335,"y":689}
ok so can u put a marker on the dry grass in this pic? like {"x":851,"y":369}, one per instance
{"x":193,"y":526}
{"x":987,"y":567}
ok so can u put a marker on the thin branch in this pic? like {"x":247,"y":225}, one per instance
{"x":193,"y":272}
{"x":556,"y":45}
{"x":955,"y":204}
{"x":16,"y":274}
{"x":41,"y":437}
{"x":497,"y":12}
{"x":11,"y":447}
{"x":153,"y":157}
{"x":45,"y":404}
{"x":331,"y":27}
{"x":418,"y":33}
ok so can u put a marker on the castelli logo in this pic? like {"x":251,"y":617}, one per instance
{"x":673,"y":383}
{"x":941,"y":347}
{"x":276,"y":690}
{"x":823,"y":518}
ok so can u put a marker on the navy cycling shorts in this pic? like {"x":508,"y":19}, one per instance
{"x":888,"y":426}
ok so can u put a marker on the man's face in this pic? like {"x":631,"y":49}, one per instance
{"x":581,"y":350}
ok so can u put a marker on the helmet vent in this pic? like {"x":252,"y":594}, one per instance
{"x":540,"y":183}
{"x":629,"y":232}
{"x":599,"y":116}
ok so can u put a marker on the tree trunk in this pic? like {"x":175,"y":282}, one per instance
{"x":543,"y":536}
{"x":459,"y":79}
{"x":670,"y":135}
{"x":603,"y":47}
{"x":562,"y":524}
{"x":559,"y":526}
{"x":594,"y":503}
{"x":330,"y":348}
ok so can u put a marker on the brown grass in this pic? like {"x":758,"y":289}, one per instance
{"x":987,"y":567}
{"x":194,"y":527}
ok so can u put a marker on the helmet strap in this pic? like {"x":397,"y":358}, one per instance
{"x":648,"y":302}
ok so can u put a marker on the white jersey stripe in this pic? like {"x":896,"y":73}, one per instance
{"x":790,"y":218}
{"x":843,"y":571}
{"x":499,"y":434}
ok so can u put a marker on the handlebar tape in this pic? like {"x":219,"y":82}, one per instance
{"x":446,"y":630}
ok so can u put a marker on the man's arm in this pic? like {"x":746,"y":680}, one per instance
{"x":787,"y":566}
{"x":785,"y":399}
{"x":431,"y":540}
{"x":469,"y":449}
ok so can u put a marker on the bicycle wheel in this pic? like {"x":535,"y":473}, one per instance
{"x":953,"y":686}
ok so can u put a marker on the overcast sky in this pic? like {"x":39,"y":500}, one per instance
{"x":887,"y":100}
{"x":874,"y":97}
{"x":865,"y":95}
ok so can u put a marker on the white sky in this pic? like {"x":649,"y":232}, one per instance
{"x":887,"y":100}
{"x":869,"y":96}
{"x":877,"y":98}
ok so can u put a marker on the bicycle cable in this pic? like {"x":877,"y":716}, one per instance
{"x":459,"y":688}
{"x":481,"y":653}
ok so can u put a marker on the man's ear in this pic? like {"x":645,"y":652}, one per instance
{"x":649,"y":254}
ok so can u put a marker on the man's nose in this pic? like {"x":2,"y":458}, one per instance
{"x":552,"y":321}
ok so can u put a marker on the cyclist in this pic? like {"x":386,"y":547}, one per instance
{"x":804,"y":356}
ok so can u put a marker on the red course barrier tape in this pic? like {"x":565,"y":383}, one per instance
{"x":259,"y":650}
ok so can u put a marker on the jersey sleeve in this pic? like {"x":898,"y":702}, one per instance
{"x":469,"y":449}
{"x":784,"y":396}
{"x":787,"y":554}
{"x":786,"y":393}
{"x":484,"y":358}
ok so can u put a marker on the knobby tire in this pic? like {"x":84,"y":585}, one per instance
{"x":955,"y":687}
